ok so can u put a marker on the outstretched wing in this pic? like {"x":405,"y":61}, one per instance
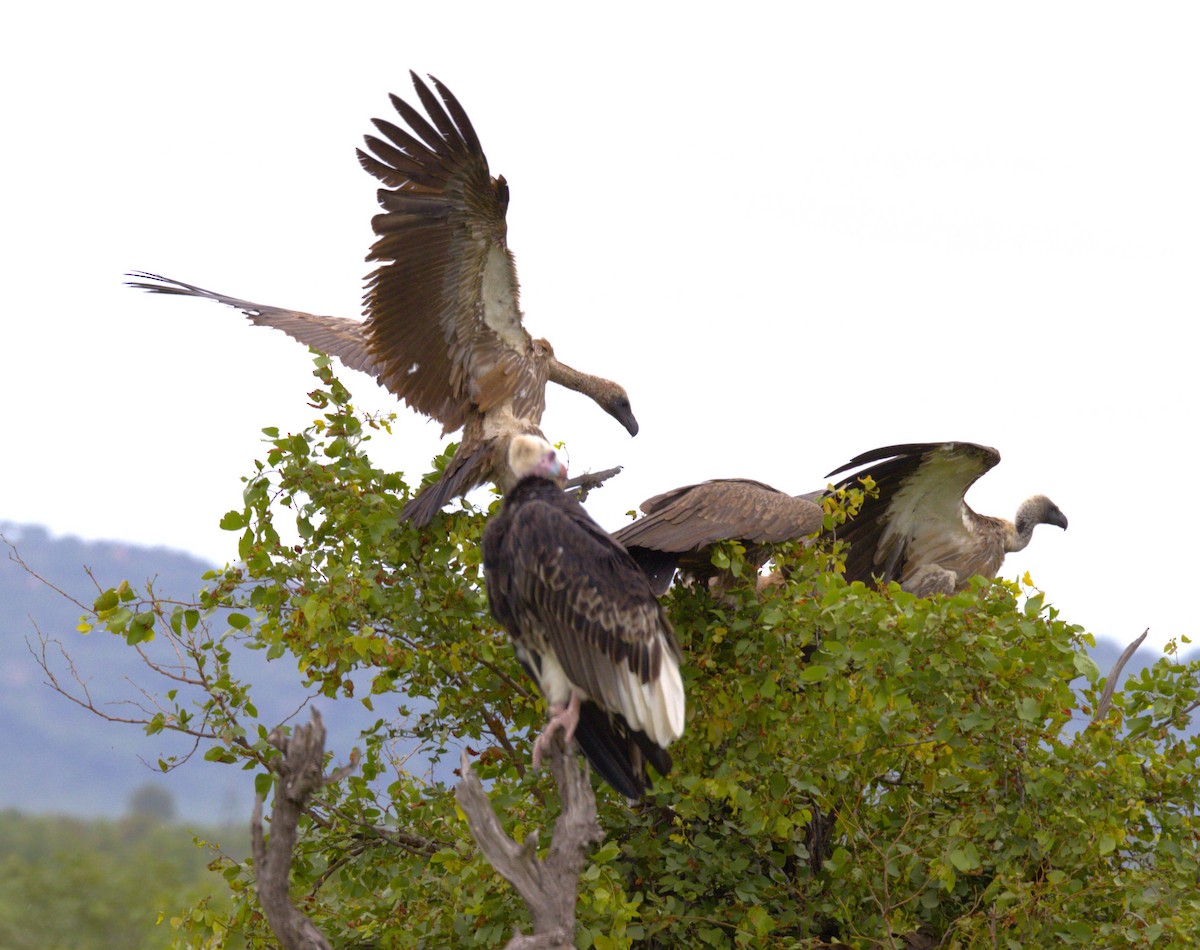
{"x":920,"y":517}
{"x":334,"y":336}
{"x":691,"y":517}
{"x":443,"y":305}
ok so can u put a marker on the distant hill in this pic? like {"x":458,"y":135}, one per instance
{"x":61,"y":758}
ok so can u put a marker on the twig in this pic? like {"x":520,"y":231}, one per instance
{"x":549,"y":887}
{"x":582,"y":484}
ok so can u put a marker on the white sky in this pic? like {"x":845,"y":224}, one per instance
{"x":792,"y":236}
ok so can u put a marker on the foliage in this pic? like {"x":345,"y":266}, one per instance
{"x":859,"y":766}
{"x":76,"y":884}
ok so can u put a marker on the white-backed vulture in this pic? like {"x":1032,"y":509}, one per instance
{"x":443,"y":328}
{"x":920,"y":531}
{"x":584,"y":624}
{"x":680,"y":526}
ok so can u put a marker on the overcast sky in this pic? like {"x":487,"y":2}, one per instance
{"x":792,"y":237}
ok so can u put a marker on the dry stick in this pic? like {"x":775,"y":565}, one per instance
{"x":299,"y":776}
{"x":582,"y":484}
{"x":1111,"y":685}
{"x":549,"y":887}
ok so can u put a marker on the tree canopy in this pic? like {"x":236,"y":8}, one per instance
{"x":860,"y":767}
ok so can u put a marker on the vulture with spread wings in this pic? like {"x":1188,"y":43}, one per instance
{"x":680,"y":526}
{"x":584,"y":623}
{"x":920,"y":531}
{"x":443,"y":328}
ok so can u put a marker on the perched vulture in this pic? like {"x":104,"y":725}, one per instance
{"x":443,"y":328}
{"x":584,"y":623}
{"x":680,"y":526}
{"x":919,"y":531}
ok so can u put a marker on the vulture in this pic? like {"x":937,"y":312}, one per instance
{"x":920,"y":531}
{"x":680,"y":526}
{"x":443,"y":328}
{"x":585,"y":624}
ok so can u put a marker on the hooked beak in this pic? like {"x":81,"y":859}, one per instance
{"x":552,"y":468}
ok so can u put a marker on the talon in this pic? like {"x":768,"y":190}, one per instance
{"x":565,"y":718}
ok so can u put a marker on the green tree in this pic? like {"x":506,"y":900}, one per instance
{"x":860,"y":767}
{"x":152,"y":802}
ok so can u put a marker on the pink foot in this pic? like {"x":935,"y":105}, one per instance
{"x":565,"y":718}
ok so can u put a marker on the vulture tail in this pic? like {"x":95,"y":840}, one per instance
{"x":462,"y":474}
{"x":618,"y":753}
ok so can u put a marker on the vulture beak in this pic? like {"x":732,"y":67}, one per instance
{"x":552,"y":468}
{"x":620,"y":410}
{"x":1055,"y":516}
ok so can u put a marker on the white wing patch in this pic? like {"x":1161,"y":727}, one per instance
{"x":500,"y":310}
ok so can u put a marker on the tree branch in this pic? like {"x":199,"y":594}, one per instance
{"x":299,"y":775}
{"x":582,"y":484}
{"x":1114,"y":674}
{"x":549,"y":887}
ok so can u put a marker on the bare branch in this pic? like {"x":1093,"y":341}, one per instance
{"x":582,"y":484}
{"x":549,"y":887}
{"x":1114,"y":674}
{"x":299,"y":776}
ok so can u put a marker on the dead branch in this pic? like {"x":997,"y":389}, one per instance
{"x":1114,"y":674}
{"x":299,"y":775}
{"x":582,"y":484}
{"x":549,"y":887}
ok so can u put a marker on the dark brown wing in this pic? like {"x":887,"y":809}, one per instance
{"x":917,"y":521}
{"x":334,"y":336}
{"x":443,"y":306}
{"x":694,"y":516}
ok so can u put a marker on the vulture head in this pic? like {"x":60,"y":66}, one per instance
{"x":532,"y":455}
{"x":1037,"y":510}
{"x":615,"y":401}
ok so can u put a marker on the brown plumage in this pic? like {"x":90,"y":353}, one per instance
{"x":584,"y":623}
{"x":680,"y":526}
{"x":920,"y":531}
{"x":443,"y":328}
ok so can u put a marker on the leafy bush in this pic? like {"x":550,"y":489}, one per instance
{"x":861,"y":767}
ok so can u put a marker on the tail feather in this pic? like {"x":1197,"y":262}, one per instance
{"x":618,"y":753}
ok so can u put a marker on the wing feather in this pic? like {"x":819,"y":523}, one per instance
{"x":920,"y":516}
{"x":443,"y":305}
{"x":695,"y":516}
{"x":335,"y":336}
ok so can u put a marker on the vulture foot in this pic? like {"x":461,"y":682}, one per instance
{"x":565,"y":718}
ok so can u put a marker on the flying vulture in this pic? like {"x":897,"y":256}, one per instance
{"x":584,"y":623}
{"x":443,"y":328}
{"x":680,"y":526}
{"x":919,"y":531}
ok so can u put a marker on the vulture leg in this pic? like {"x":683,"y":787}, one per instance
{"x":565,"y":718}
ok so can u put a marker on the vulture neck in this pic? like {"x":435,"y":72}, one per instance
{"x":1018,"y":535}
{"x":596,"y":387}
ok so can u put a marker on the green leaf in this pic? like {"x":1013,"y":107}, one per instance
{"x":965,"y":858}
{"x":233,"y":521}
{"x":1087,"y":666}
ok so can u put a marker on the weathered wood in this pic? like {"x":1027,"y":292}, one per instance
{"x":1114,"y":674}
{"x":549,"y":887}
{"x":299,"y":775}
